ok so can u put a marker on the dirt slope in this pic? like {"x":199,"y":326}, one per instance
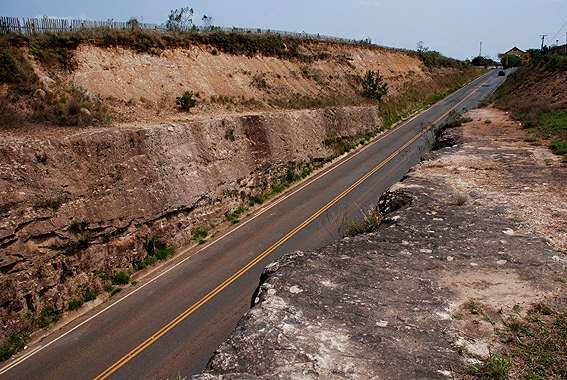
{"x":145,"y":85}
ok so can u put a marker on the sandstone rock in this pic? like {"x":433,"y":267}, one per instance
{"x":85,"y":112}
{"x":39,"y":93}
{"x":46,"y":83}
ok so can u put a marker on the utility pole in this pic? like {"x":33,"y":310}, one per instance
{"x":480,"y":51}
{"x":542,"y":40}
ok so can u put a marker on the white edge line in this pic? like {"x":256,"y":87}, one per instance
{"x":254,"y":216}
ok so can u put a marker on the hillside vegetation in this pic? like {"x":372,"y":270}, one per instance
{"x":537,"y":96}
{"x":95,"y":76}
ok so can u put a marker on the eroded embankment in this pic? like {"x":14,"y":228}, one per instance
{"x":84,"y":204}
{"x":77,"y":208}
{"x":473,"y":263}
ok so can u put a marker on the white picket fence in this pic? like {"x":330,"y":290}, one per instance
{"x":31,"y":26}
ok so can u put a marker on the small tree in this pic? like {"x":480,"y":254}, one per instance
{"x":421,"y":48}
{"x":373,"y":85}
{"x":186,"y":101}
{"x":180,"y":19}
{"x":511,"y":60}
{"x":133,"y":24}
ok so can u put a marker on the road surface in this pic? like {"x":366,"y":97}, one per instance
{"x":171,"y":322}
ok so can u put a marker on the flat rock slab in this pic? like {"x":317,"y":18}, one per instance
{"x":385,"y":304}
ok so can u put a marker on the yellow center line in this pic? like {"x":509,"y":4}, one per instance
{"x":194,"y":307}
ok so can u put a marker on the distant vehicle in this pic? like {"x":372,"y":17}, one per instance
{"x":501,"y":73}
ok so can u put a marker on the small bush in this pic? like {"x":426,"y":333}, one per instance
{"x":89,"y":295}
{"x":75,"y":304}
{"x":48,"y":316}
{"x":200,"y":235}
{"x":13,"y":344}
{"x":75,"y":246}
{"x":369,"y":223}
{"x":121,"y":278}
{"x":373,"y":85}
{"x":145,"y":263}
{"x":229,"y":135}
{"x":559,"y":147}
{"x":186,"y":101}
{"x":234,"y":216}
{"x":162,"y":253}
{"x":111,"y":289}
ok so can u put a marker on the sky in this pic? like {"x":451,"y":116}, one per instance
{"x":453,"y":27}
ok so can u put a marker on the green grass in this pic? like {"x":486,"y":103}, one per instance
{"x":544,"y":118}
{"x":496,"y":367}
{"x":532,"y":347}
{"x":559,"y":146}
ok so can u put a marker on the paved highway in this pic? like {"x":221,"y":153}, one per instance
{"x":172,"y":321}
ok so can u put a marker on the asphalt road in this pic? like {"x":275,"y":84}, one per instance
{"x":171,"y":322}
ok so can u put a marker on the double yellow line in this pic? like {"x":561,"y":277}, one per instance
{"x":226,"y":283}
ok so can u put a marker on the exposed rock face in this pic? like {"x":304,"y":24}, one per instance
{"x":77,"y":206}
{"x":385,"y":304}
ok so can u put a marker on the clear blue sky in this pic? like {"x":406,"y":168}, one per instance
{"x":454,"y":27}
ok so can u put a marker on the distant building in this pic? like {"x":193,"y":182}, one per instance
{"x":524,"y":56}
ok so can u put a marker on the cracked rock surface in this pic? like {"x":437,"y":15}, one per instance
{"x":383,"y":305}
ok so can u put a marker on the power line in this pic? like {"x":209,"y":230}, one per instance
{"x":542,"y":40}
{"x":560,"y":29}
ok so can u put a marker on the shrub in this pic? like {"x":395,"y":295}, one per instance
{"x":229,"y":135}
{"x":121,"y":278}
{"x":75,"y":304}
{"x":200,"y":234}
{"x":511,"y":60}
{"x":369,"y":223}
{"x":13,"y":344}
{"x":373,"y":85}
{"x":111,"y":289}
{"x":67,"y":109}
{"x":89,"y":295}
{"x":162,"y":253}
{"x":559,"y":147}
{"x":48,"y":316}
{"x":186,"y":101}
{"x":234,"y":216}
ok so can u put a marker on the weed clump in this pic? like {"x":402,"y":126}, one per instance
{"x":233,"y":216}
{"x":13,"y":344}
{"x":156,"y":250}
{"x":531,"y":346}
{"x":121,"y":278}
{"x":369,"y":223}
{"x":186,"y":101}
{"x":200,"y":235}
{"x":48,"y":316}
